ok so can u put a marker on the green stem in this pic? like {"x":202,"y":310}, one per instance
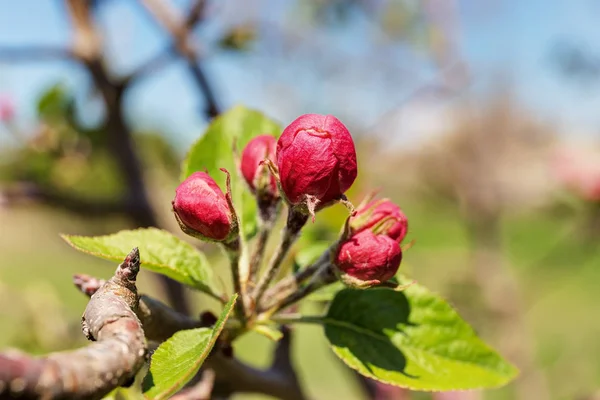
{"x":299,"y":319}
{"x":289,"y":285}
{"x":296,"y":220}
{"x":268,"y":211}
{"x":233,"y":250}
{"x":323,"y":277}
{"x":259,"y":252}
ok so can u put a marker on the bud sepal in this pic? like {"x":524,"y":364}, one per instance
{"x":382,"y":217}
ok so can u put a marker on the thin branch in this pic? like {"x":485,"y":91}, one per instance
{"x":87,"y":42}
{"x":180,"y":28}
{"x":196,"y":13}
{"x":152,"y":65}
{"x":114,"y":358}
{"x":173,"y":21}
{"x":279,"y":381}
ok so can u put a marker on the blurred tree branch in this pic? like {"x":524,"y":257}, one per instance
{"x":87,"y":46}
{"x":87,"y":50}
{"x":180,"y":29}
{"x":35,"y":53}
{"x":89,"y":207}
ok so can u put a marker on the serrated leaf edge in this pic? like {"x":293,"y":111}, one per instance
{"x":508,"y":377}
{"x":199,"y":285}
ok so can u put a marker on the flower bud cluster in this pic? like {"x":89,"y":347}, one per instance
{"x":310,"y":166}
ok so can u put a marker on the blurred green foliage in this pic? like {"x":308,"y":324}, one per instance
{"x":64,"y":155}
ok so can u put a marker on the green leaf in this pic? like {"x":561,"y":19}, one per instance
{"x":214,"y":150}
{"x":412,"y":339}
{"x":53,"y":102}
{"x":176,"y":361}
{"x":160,"y":252}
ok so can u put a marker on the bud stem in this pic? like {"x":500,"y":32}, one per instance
{"x":323,"y":277}
{"x":233,"y":250}
{"x":299,"y":319}
{"x":289,"y":285}
{"x":295,"y":221}
{"x":268,"y":213}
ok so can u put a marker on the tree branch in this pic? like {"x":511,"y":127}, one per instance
{"x":180,"y":28}
{"x":26,"y":192}
{"x":232,"y":376}
{"x":279,"y":381}
{"x":120,"y":137}
{"x":116,"y":355}
{"x":160,"y":321}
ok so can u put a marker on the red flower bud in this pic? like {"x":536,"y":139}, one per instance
{"x":366,"y":259}
{"x":201,"y":207}
{"x":382,"y":217}
{"x":257,"y":150}
{"x":316,"y":157}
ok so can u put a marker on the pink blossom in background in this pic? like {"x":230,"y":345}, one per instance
{"x":7,"y":108}
{"x":579,"y":171}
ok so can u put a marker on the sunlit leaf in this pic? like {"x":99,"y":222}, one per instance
{"x":412,"y":339}
{"x":160,"y":251}
{"x":176,"y":361}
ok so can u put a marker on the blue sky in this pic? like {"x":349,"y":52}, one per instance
{"x":497,"y":38}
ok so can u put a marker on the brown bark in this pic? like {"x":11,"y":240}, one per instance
{"x":232,"y":376}
{"x":116,"y":355}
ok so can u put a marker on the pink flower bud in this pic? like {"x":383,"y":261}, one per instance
{"x":316,"y":158}
{"x":257,"y":150}
{"x":382,"y":217}
{"x":202,"y":208}
{"x":367,"y":259}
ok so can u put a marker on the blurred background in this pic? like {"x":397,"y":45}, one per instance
{"x":479,"y":117}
